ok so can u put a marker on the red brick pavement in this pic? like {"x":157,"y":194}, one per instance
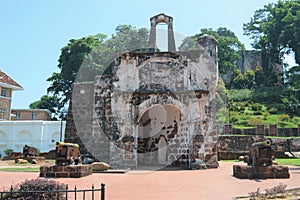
{"x":182,"y":184}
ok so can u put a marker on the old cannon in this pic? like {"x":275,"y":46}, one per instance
{"x":260,"y":154}
{"x":30,"y":151}
{"x":259,"y":162}
{"x":67,"y":154}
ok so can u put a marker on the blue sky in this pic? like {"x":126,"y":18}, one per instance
{"x":32,"y":32}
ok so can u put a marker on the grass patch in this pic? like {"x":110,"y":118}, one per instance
{"x":288,"y":161}
{"x":280,"y":161}
{"x":231,"y":161}
{"x":20,"y":169}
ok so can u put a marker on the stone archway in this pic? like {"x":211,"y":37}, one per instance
{"x":161,"y":18}
{"x":157,"y":125}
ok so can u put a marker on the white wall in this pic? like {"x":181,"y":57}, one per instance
{"x":40,"y":134}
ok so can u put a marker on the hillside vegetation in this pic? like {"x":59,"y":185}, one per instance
{"x":267,"y":105}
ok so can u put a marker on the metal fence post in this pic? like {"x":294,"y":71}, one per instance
{"x":102,"y":191}
{"x":75,"y":189}
{"x":11,"y":191}
{"x":67,"y":187}
{"x":93,"y":191}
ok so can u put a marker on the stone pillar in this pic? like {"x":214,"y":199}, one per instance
{"x":260,"y":129}
{"x":161,"y":18}
{"x":273,"y":131}
{"x":228,"y":129}
{"x":171,"y":39}
{"x":152,"y":37}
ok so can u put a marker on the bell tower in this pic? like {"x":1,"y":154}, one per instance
{"x":161,"y":18}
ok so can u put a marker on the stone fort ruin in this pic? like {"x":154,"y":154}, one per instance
{"x":151,"y":108}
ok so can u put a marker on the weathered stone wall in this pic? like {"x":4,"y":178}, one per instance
{"x":231,"y":147}
{"x":75,"y":171}
{"x":118,"y":117}
{"x":105,"y":113}
{"x":250,"y":60}
{"x":281,"y":132}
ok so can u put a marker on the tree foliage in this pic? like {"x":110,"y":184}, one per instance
{"x":292,"y":104}
{"x":70,"y":60}
{"x":52,"y":103}
{"x":293,"y":77}
{"x":275,"y":30}
{"x":82,"y":59}
{"x":229,"y":47}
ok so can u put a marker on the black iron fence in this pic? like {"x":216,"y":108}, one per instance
{"x":56,"y":194}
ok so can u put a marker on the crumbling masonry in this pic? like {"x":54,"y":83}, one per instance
{"x":154,"y":108}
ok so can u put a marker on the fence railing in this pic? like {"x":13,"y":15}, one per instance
{"x":56,"y":194}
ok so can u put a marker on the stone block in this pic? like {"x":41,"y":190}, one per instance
{"x":241,"y":158}
{"x":74,"y":171}
{"x":57,"y":168}
{"x":50,"y":175}
{"x":261,"y":172}
{"x":61,"y":174}
{"x":100,"y":166}
{"x":44,"y":169}
{"x":34,"y":161}
{"x":70,"y":168}
{"x":77,"y":174}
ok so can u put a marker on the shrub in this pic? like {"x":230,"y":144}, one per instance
{"x":266,"y":114}
{"x":256,"y":107}
{"x":240,"y":95}
{"x":258,"y":112}
{"x":247,"y":112}
{"x":256,"y":120}
{"x":273,"y":110}
{"x":243,"y":123}
{"x":8,"y":151}
{"x":279,"y":106}
{"x":275,"y":190}
{"x":285,"y":118}
{"x":233,"y":119}
{"x":242,"y":108}
{"x":38,"y":184}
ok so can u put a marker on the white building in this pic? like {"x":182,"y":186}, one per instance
{"x":40,"y":134}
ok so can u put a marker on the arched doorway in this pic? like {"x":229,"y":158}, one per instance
{"x":157,"y":125}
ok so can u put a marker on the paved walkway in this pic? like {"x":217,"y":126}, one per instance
{"x":209,"y":184}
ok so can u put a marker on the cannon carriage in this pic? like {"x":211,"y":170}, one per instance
{"x":67,"y":154}
{"x":260,"y":154}
{"x":30,"y":151}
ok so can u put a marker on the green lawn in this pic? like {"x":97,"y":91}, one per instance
{"x":288,"y":161}
{"x":20,"y":169}
{"x":280,"y":161}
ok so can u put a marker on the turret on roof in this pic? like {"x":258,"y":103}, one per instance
{"x":8,"y":82}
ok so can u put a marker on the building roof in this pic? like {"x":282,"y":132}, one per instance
{"x":8,"y":82}
{"x":31,"y":110}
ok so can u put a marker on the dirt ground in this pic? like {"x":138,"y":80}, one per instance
{"x":176,"y":185}
{"x":11,"y":163}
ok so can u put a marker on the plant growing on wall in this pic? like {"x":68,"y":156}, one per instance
{"x":8,"y":152}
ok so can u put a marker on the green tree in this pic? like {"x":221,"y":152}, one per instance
{"x":293,"y":77}
{"x":229,"y":47}
{"x":52,"y":103}
{"x":70,"y":61}
{"x":292,"y":105}
{"x":243,"y":81}
{"x":275,"y":30}
{"x":82,"y":59}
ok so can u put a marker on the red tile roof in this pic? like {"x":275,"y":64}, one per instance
{"x":9,"y":81}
